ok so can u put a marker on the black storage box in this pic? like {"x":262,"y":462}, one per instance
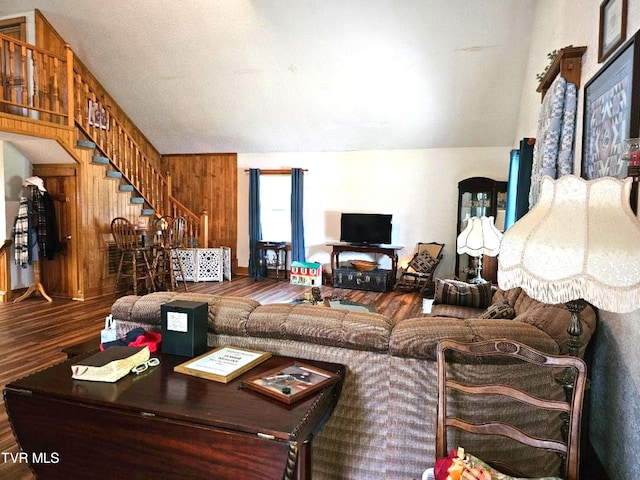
{"x":184,"y":328}
{"x":374,"y":281}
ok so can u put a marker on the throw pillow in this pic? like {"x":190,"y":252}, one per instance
{"x":500,"y":310}
{"x":423,"y":262}
{"x":455,"y":292}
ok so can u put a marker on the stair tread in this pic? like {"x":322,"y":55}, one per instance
{"x":100,"y":160}
{"x":113,"y":174}
{"x":137,"y":200}
{"x":125,"y":188}
{"x":85,"y":144}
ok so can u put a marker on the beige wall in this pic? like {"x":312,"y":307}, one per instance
{"x":418,"y":187}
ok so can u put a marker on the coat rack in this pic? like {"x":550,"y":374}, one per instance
{"x":36,"y":286}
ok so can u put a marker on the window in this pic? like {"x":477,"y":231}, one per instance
{"x":275,"y":207}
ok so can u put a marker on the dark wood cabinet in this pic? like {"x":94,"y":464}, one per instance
{"x":477,"y":197}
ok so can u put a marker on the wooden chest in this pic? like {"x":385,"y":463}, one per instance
{"x":377,"y":280}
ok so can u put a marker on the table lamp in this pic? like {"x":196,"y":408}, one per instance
{"x":579,"y":243}
{"x":480,"y":237}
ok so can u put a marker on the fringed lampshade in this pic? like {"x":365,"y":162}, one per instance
{"x":580,"y":242}
{"x":480,"y":237}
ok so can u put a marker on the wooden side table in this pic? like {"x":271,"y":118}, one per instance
{"x":277,"y":247}
{"x":163,"y":424}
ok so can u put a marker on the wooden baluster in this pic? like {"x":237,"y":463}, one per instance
{"x":70,"y":90}
{"x":23,"y":81}
{"x":44,"y":84}
{"x":168,"y":192}
{"x":55,"y":94}
{"x":204,"y":229}
{"x":35,"y":67}
{"x":12,"y":81}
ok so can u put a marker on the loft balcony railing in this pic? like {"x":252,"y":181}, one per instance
{"x":37,"y":84}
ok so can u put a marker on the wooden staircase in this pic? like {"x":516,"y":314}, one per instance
{"x":62,"y":91}
{"x":113,"y":174}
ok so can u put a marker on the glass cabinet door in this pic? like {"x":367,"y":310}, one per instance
{"x":477,"y":197}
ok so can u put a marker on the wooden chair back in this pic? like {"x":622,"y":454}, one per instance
{"x":434,"y":249}
{"x":177,"y":232}
{"x":124,"y":234}
{"x":531,"y":413}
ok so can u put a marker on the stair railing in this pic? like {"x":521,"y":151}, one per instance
{"x":111,"y":137}
{"x":35,"y":83}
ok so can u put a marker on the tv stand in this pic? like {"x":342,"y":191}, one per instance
{"x":390,"y":251}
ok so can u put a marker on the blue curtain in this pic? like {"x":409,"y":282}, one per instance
{"x":255,"y":229}
{"x":297,"y":223}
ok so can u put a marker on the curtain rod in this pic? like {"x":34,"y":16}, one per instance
{"x":281,"y":171}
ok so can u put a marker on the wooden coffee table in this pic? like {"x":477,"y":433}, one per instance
{"x":162,"y":424}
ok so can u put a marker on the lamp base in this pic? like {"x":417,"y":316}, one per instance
{"x":478,"y":278}
{"x":567,"y":376}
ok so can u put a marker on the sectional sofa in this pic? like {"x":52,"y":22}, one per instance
{"x":383,"y":425}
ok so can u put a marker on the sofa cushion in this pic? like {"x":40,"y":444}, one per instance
{"x":418,"y":337}
{"x":225,"y":314}
{"x":454,"y":292}
{"x":499,"y":310}
{"x":322,"y":326}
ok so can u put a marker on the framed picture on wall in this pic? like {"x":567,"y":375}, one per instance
{"x":613,"y":27}
{"x":611,"y":113}
{"x":97,"y":116}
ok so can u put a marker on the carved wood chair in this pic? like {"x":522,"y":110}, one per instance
{"x":419,"y":272}
{"x":530,"y":421}
{"x":134,"y":257}
{"x":167,"y":263}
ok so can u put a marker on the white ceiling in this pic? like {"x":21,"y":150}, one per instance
{"x":304,"y":75}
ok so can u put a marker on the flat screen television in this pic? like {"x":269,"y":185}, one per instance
{"x":365,"y":228}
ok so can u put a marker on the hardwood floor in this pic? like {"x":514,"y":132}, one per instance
{"x":34,"y":332}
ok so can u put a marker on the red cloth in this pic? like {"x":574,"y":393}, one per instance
{"x":150,"y":339}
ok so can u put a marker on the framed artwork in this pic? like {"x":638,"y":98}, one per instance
{"x":611,"y":113}
{"x":97,"y":116}
{"x":613,"y":27}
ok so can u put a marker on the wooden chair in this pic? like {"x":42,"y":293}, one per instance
{"x":527,"y":423}
{"x":167,"y":263}
{"x":418,"y":274}
{"x":129,"y":244}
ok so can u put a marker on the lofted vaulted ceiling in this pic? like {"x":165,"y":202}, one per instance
{"x":304,"y":75}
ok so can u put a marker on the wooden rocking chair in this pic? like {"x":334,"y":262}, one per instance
{"x":418,"y":274}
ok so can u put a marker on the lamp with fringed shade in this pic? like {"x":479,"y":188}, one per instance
{"x":480,"y":237}
{"x":579,"y":243}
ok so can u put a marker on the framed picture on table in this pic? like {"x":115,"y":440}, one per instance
{"x":611,"y":113}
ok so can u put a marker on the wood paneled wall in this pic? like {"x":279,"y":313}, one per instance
{"x":208,"y":182}
{"x":102,"y":202}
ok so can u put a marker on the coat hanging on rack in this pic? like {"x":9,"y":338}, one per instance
{"x":21,"y":234}
{"x":32,"y":229}
{"x":45,"y":223}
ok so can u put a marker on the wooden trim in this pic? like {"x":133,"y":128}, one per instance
{"x":567,"y":64}
{"x":5,"y":271}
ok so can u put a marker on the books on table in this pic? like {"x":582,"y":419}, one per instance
{"x":110,"y":365}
